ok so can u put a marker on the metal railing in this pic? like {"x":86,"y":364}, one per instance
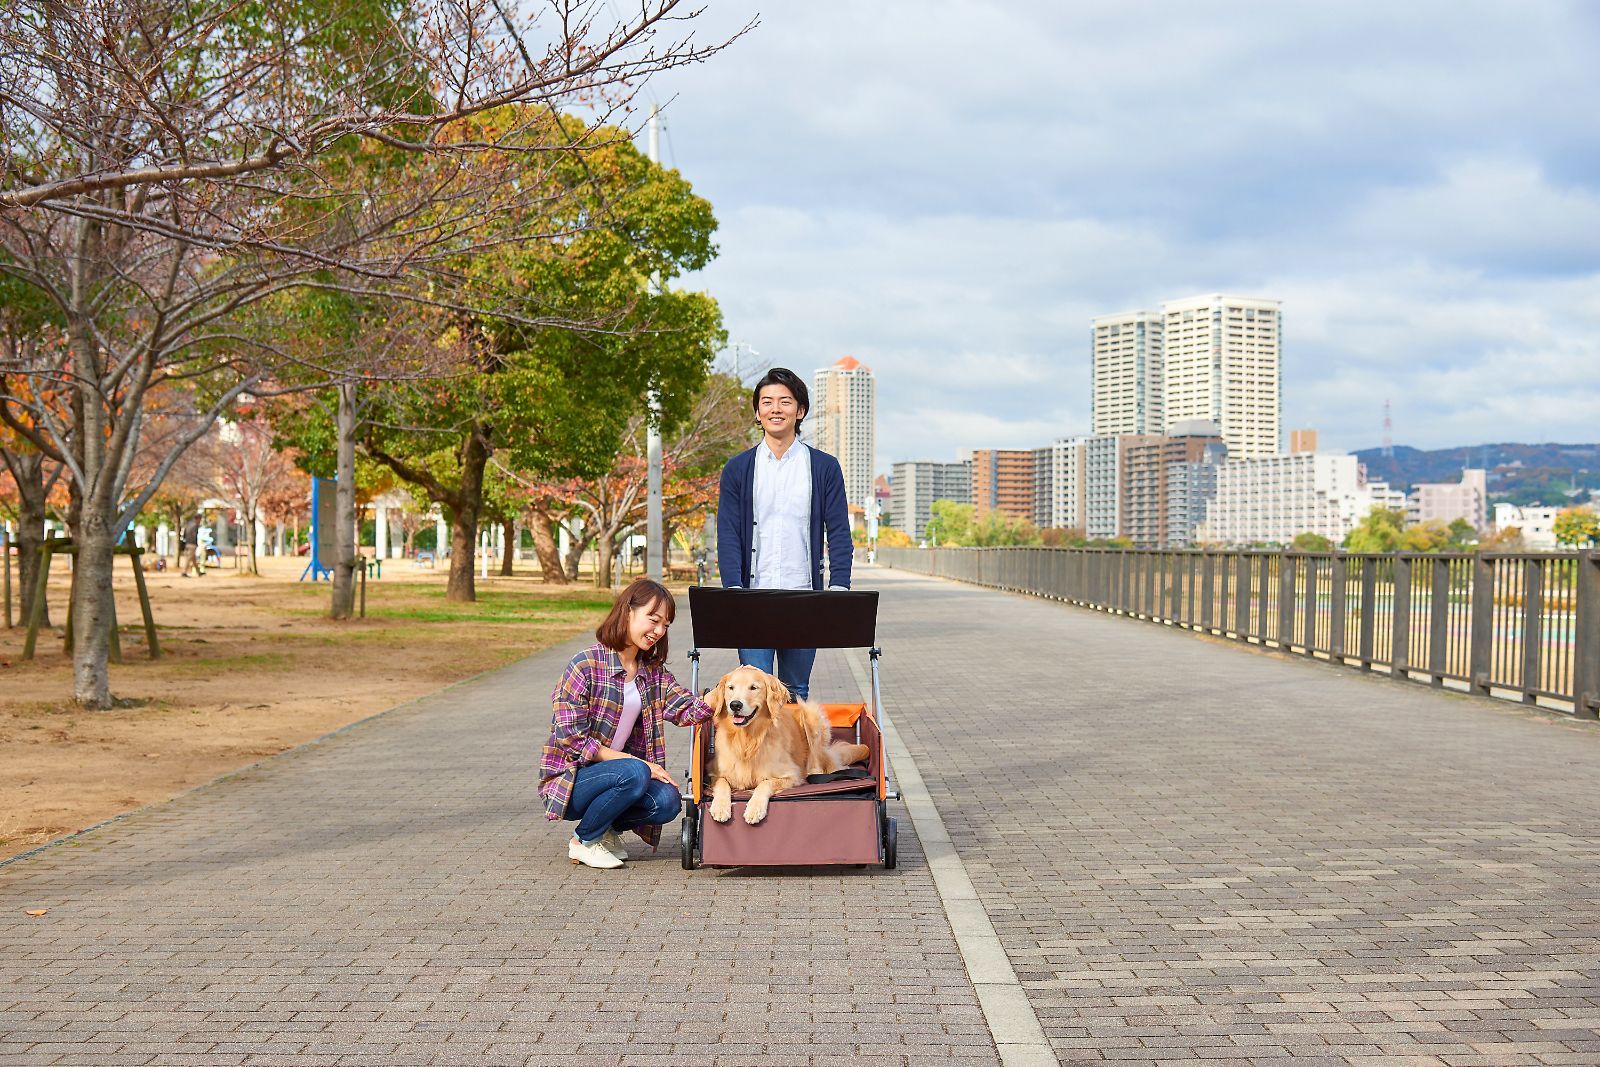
{"x":1523,"y":626}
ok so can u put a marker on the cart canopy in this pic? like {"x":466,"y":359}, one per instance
{"x":783,"y":618}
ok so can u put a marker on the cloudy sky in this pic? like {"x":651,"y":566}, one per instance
{"x":950,"y":191}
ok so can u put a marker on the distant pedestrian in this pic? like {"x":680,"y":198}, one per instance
{"x":780,"y":502}
{"x":189,"y":548}
{"x":206,"y":549}
{"x":604,"y":763}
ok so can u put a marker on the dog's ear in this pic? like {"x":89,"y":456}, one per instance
{"x":718,"y":697}
{"x":777,"y":693}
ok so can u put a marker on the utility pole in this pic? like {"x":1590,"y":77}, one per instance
{"x":655,"y":549}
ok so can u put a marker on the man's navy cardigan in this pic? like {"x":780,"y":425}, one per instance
{"x":736,"y":520}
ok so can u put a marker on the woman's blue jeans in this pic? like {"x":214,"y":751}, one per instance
{"x":620,"y":795}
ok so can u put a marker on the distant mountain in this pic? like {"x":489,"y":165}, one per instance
{"x":1552,"y":475}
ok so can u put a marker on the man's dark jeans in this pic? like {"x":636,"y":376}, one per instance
{"x":794,"y":666}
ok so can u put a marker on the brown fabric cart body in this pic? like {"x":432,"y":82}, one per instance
{"x":842,"y":822}
{"x":809,"y":825}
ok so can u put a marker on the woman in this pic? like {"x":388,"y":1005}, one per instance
{"x":603,"y":765}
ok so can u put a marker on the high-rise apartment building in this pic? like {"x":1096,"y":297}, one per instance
{"x":1003,"y":479}
{"x":1221,"y":357}
{"x":915,"y":485}
{"x":1059,"y":484}
{"x":1302,"y":440}
{"x":1447,"y":501}
{"x":1191,"y":486}
{"x":1129,"y":382}
{"x":1148,"y":468}
{"x":1102,"y":485}
{"x":842,"y":422}
{"x":1270,"y":499}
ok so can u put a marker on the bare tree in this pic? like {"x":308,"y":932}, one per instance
{"x":242,"y":464}
{"x":172,"y":168}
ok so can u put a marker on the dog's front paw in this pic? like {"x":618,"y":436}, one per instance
{"x":755,"y":811}
{"x":721,"y":810}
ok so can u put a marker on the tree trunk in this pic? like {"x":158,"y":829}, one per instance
{"x":474,"y":454}
{"x":250,"y":535}
{"x":605,"y":559}
{"x":344,"y":518}
{"x":575,"y":551}
{"x":28,"y":472}
{"x":92,"y":611}
{"x":509,"y":528}
{"x":462,"y":583}
{"x":548,"y":551}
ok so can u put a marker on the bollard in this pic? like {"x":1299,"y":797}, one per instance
{"x":363,"y":591}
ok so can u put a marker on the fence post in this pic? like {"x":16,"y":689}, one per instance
{"x":1532,"y":628}
{"x":1241,"y":595}
{"x":1286,"y":573}
{"x":1336,"y":608}
{"x":1309,"y":618}
{"x":1439,"y":623}
{"x":1400,"y":637}
{"x":1586,"y":647}
{"x":1369,"y":609}
{"x":1191,"y":611}
{"x":1481,"y":647}
{"x":1208,"y":587}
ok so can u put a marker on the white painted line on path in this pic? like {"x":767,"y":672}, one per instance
{"x":1011,"y":1019}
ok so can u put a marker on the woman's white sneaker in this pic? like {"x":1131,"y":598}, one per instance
{"x":611,"y":841}
{"x":594,"y":854}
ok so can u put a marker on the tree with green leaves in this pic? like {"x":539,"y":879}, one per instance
{"x":950,"y":523}
{"x":694,"y":449}
{"x":558,"y":399}
{"x":1307,"y":541}
{"x":1378,"y":531}
{"x":1463,"y":535}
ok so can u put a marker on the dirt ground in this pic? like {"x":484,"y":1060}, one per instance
{"x":249,"y":667}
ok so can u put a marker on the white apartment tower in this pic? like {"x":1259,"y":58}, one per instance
{"x":1060,"y":485}
{"x":1128,"y":374}
{"x":842,"y":421}
{"x":1221,"y":357}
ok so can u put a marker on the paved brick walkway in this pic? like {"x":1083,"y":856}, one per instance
{"x":395,"y":896}
{"x":1192,"y":854}
{"x":1195,"y":853}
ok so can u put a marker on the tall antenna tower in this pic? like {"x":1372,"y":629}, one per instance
{"x":1388,"y":433}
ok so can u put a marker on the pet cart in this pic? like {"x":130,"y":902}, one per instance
{"x":830,"y":823}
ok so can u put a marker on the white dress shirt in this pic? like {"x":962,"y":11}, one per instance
{"x":782,"y":537}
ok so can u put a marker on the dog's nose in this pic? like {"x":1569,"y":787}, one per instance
{"x":735,"y":705}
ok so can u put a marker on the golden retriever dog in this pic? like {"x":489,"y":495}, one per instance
{"x":766,"y":744}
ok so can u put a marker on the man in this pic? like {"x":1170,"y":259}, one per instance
{"x":188,"y":548}
{"x":780,"y":500}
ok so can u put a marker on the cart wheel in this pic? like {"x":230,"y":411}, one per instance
{"x":891,"y":840}
{"x":686,"y":836}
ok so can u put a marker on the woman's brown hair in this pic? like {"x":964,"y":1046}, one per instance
{"x":613,"y":631}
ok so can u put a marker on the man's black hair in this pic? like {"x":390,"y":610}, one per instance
{"x":790,"y":381}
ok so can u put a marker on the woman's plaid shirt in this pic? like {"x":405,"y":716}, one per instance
{"x":587,"y":705}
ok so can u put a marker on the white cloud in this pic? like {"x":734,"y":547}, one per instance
{"x":950,"y":191}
